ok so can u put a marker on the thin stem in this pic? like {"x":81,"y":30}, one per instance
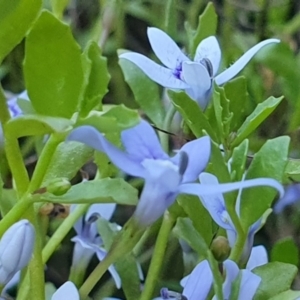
{"x":158,"y":256}
{"x":4,"y":112}
{"x":14,"y":214}
{"x":16,"y":164}
{"x":98,"y":272}
{"x":164,"y":138}
{"x":218,"y":281}
{"x":44,"y":161}
{"x":63,"y":230}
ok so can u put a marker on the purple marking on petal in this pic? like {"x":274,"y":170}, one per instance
{"x":154,"y":71}
{"x":165,"y":48}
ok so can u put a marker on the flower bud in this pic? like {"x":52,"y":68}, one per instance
{"x":58,"y":186}
{"x":220,"y":248}
{"x":16,"y":247}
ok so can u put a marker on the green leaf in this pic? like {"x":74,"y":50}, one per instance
{"x":58,"y":7}
{"x":105,"y":190}
{"x":72,"y":156}
{"x":198,"y":214}
{"x":269,"y":161}
{"x":124,"y":116}
{"x":131,"y":284}
{"x":217,"y":164}
{"x":146,"y":92}
{"x":185,"y":230}
{"x":261,"y":112}
{"x":192,"y":114}
{"x":27,"y":125}
{"x":218,"y":113}
{"x":285,"y":250}
{"x":276,"y":278}
{"x":292,"y":169}
{"x":171,"y":17}
{"x":16,"y":17}
{"x":207,"y":26}
{"x":286,"y":295}
{"x":98,"y":79}
{"x":238,"y":160}
{"x":53,"y":68}
{"x":236,"y":91}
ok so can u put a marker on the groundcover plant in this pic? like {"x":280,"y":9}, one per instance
{"x":142,"y":151}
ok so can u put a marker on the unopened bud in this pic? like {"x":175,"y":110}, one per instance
{"x":58,"y":186}
{"x":67,"y":291}
{"x":16,"y":247}
{"x":220,"y":248}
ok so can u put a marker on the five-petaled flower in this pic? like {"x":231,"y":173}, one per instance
{"x":88,"y":241}
{"x":143,"y":157}
{"x":180,"y":72}
{"x":198,"y":284}
{"x":215,"y":205}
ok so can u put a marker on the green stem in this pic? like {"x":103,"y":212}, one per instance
{"x":218,"y":281}
{"x":15,"y":214}
{"x":98,"y":272}
{"x":158,"y":256}
{"x":16,"y":164}
{"x":62,"y":231}
{"x":4,"y":112}
{"x":238,"y":247}
{"x":164,"y":137}
{"x":44,"y":161}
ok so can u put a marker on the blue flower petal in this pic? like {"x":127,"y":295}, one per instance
{"x":209,"y":49}
{"x":198,"y":152}
{"x":199,"y":282}
{"x":165,"y":48}
{"x":291,"y":196}
{"x":67,"y":291}
{"x":141,"y":142}
{"x":159,"y":192}
{"x":93,"y":138}
{"x":211,"y":189}
{"x":154,"y":71}
{"x":249,"y":285}
{"x":241,"y":62}
{"x":258,"y":257}
{"x":105,"y":210}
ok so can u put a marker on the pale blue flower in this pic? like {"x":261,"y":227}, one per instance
{"x":88,"y":242}
{"x":67,"y":291}
{"x":198,"y":284}
{"x":291,"y":196}
{"x":143,"y":157}
{"x":16,"y":247}
{"x":258,"y":257}
{"x":180,"y":72}
{"x":215,"y":204}
{"x":13,"y":106}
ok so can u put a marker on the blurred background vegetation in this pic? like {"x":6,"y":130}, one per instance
{"x":117,"y":24}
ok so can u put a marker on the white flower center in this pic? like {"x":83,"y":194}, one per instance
{"x":163,"y":171}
